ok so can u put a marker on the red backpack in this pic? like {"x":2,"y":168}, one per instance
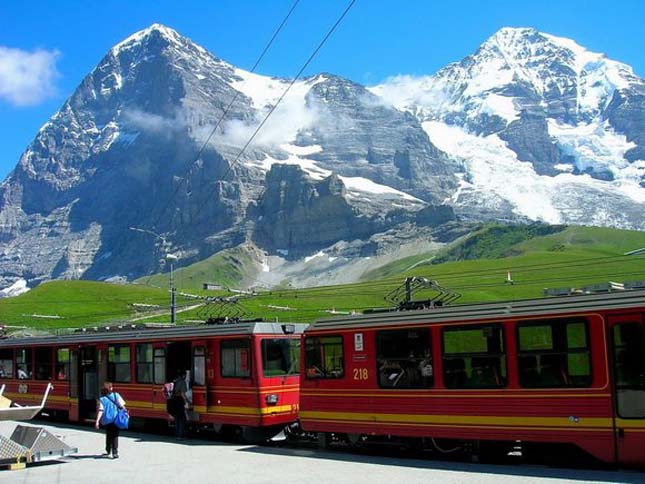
{"x":167,"y":390}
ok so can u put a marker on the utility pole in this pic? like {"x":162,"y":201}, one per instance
{"x":173,"y":299}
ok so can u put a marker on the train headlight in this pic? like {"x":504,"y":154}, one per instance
{"x":272,"y":399}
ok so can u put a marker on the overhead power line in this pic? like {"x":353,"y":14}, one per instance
{"x":277,"y":103}
{"x":224,"y":114}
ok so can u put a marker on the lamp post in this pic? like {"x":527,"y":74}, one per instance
{"x":170,"y":258}
{"x":173,"y":300}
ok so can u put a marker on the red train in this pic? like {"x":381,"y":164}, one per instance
{"x":567,"y":371}
{"x":243,"y":376}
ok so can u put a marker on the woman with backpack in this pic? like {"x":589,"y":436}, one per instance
{"x":107,"y":409}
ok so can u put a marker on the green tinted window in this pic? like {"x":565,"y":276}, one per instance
{"x":536,"y":338}
{"x":576,"y":335}
{"x":465,"y":341}
{"x":554,"y":353}
{"x":119,"y":364}
{"x":474,"y":357}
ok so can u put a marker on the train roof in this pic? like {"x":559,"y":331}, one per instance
{"x":103,"y":335}
{"x":631,"y":299}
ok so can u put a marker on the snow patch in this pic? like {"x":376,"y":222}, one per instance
{"x":16,"y":289}
{"x":501,"y":106}
{"x":311,"y":257}
{"x":301,"y":150}
{"x":308,"y":166}
{"x":495,"y":170}
{"x":357,"y":186}
{"x":264,"y":264}
{"x":593,"y":145}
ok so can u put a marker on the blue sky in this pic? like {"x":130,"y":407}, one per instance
{"x":61,"y":41}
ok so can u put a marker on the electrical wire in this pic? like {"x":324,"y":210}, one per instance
{"x":224,"y":114}
{"x":277,"y":103}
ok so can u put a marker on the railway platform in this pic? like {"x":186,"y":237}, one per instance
{"x":151,"y":458}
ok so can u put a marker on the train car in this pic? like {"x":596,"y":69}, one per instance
{"x":556,"y":374}
{"x":243,"y":376}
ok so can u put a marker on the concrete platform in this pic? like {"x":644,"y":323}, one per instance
{"x":149,"y":458}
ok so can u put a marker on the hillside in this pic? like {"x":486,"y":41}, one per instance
{"x":228,"y":268}
{"x":64,"y":304}
{"x":572,"y":257}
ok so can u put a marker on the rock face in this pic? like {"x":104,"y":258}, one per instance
{"x":290,"y":204}
{"x":529,"y":127}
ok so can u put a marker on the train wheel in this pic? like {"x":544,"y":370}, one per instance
{"x":324,"y":440}
{"x":356,"y":441}
{"x":259,"y":435}
{"x":494,"y":450}
{"x":230,"y":433}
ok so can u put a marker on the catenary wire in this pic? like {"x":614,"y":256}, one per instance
{"x":277,"y":103}
{"x":224,"y":114}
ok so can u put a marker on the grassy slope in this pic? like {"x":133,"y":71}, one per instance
{"x":78,"y":303}
{"x":227,"y":268}
{"x":571,"y":258}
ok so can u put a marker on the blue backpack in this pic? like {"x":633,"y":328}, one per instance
{"x":110,"y":409}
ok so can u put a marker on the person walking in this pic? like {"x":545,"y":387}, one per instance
{"x":107,"y":408}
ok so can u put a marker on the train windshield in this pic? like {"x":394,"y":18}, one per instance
{"x":280,"y":356}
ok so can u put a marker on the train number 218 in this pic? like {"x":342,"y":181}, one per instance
{"x":361,"y":374}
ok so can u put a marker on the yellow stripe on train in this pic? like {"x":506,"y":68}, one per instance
{"x":475,"y":420}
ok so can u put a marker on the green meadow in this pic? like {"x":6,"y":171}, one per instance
{"x":476,"y":267}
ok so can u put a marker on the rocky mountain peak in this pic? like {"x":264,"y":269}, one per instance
{"x":154,"y":35}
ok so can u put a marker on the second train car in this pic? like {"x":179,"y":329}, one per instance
{"x":552,"y":374}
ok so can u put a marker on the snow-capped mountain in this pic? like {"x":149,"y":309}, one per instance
{"x":131,"y":148}
{"x":530,"y":127}
{"x":546,"y":128}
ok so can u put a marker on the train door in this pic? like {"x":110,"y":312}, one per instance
{"x":160,"y":376}
{"x":178,"y":358}
{"x":627,"y":337}
{"x":198,"y":377}
{"x":74,"y":374}
{"x":88,"y":382}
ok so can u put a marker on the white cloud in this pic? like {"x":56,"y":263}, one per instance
{"x":291,"y":116}
{"x":153,"y":123}
{"x":27,"y":78}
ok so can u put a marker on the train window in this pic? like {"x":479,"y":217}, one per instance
{"x":554,"y":353}
{"x":119,"y":363}
{"x":44,"y":358}
{"x":324,"y":357}
{"x":144,"y":363}
{"x":6,"y":363}
{"x":160,"y":365}
{"x":404,"y":359}
{"x":199,"y":365}
{"x":280,"y":356}
{"x":24,"y":369}
{"x":474,"y":357}
{"x":629,"y":369}
{"x":62,"y":363}
{"x":235,"y":358}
